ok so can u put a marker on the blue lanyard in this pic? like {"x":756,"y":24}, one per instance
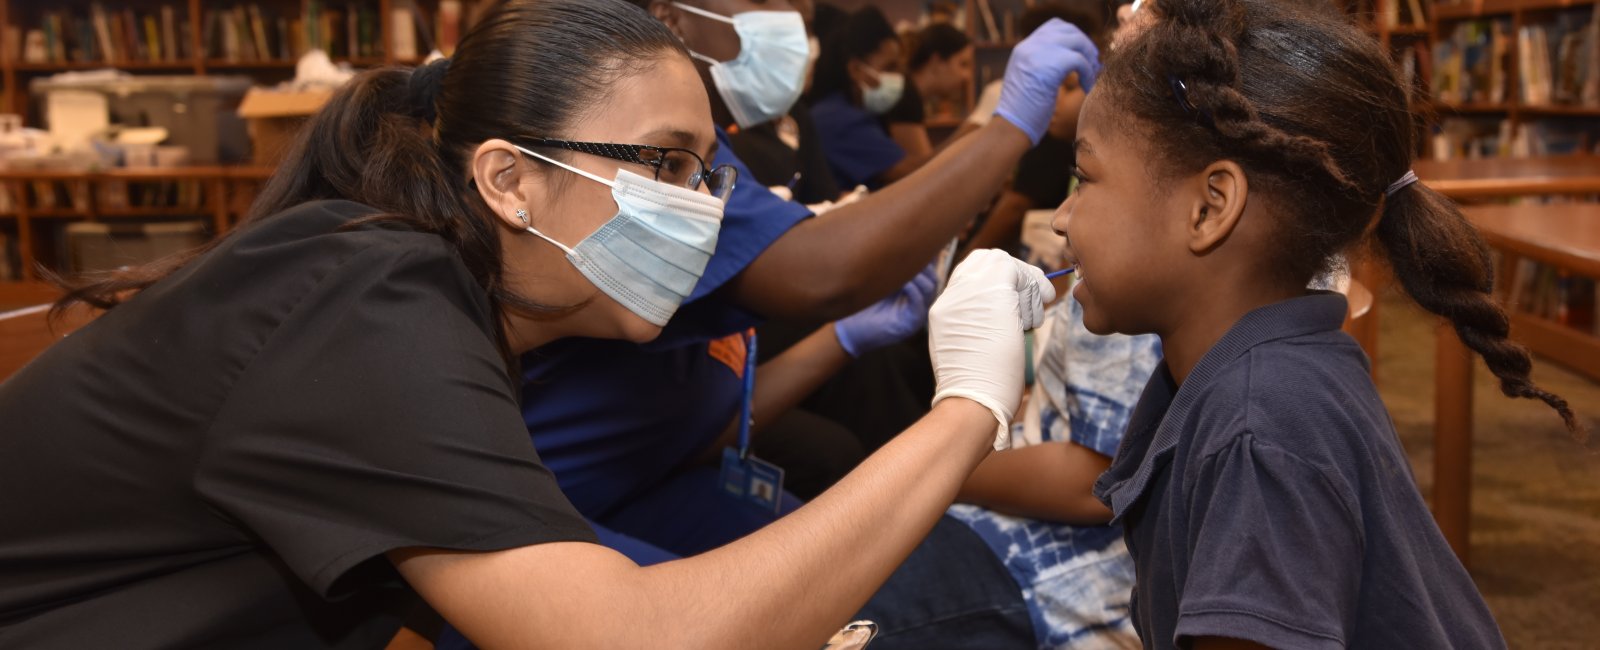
{"x":746,"y":414}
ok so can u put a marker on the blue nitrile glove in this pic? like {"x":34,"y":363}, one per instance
{"x":889,"y":320}
{"x":1038,"y":66}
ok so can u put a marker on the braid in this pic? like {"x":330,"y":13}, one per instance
{"x":1197,"y":50}
{"x":1444,"y":265}
{"x":1314,"y":111}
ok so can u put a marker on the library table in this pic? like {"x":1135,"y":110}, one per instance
{"x":1565,"y":236}
{"x":1503,"y":177}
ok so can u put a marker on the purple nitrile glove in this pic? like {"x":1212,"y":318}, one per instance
{"x":890,"y":320}
{"x":1038,"y":66}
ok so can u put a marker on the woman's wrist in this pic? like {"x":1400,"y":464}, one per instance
{"x":974,"y":420}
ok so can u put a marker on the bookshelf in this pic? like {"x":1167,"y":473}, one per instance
{"x":1516,"y":78}
{"x":260,"y":39}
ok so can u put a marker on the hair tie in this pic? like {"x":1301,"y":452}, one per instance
{"x":423,"y":88}
{"x":1409,"y":178}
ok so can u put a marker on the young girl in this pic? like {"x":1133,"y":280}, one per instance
{"x":1226,"y":155}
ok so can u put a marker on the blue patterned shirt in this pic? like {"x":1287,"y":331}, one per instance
{"x":1075,"y":579}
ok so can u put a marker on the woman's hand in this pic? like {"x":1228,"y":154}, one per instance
{"x":975,"y":332}
{"x":890,"y":320}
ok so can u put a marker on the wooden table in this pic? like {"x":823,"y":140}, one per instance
{"x":1565,"y":236}
{"x":1502,"y":177}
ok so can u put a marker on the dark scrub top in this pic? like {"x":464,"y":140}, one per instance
{"x":613,"y":418}
{"x":772,"y":162}
{"x":858,"y":148}
{"x":1268,"y":499}
{"x":224,"y":460}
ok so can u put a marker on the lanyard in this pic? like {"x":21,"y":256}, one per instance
{"x":747,"y":414}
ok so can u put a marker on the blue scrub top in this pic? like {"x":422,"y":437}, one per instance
{"x":857,"y":147}
{"x":612,"y":418}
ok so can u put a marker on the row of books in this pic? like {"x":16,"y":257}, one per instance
{"x":350,"y":29}
{"x":251,"y":33}
{"x":183,"y":197}
{"x":1470,"y":66}
{"x":1462,"y":137}
{"x":102,"y":36}
{"x":1398,"y":13}
{"x":1544,"y":291}
{"x":244,"y":32}
{"x":1559,"y":61}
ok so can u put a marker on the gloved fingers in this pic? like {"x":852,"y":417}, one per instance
{"x":924,"y":285}
{"x":1033,"y":291}
{"x":980,"y":264}
{"x":1057,"y":33}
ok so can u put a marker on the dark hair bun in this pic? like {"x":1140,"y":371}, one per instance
{"x":423,"y":89}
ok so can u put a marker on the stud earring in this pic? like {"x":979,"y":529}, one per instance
{"x":523,"y":215}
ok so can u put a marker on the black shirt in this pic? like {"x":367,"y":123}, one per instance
{"x":1268,"y":499}
{"x":909,"y":109}
{"x":773,"y":162}
{"x":223,"y":460}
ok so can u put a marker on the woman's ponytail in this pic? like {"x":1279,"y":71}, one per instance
{"x":1443,"y":264}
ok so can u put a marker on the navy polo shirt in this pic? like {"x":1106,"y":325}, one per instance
{"x":1268,"y":499}
{"x":611,"y":418}
{"x":853,"y":139}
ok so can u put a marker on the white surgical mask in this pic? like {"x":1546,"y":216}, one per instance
{"x":891,"y":85}
{"x":765,"y":80}
{"x":650,"y":256}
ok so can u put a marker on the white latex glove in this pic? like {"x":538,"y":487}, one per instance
{"x":975,"y":332}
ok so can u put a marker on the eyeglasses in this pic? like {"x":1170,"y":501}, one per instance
{"x":673,"y":165}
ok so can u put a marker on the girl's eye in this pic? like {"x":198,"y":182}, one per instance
{"x":1077,"y":181}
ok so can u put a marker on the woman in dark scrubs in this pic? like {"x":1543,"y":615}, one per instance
{"x":287,"y":437}
{"x":858,"y":80}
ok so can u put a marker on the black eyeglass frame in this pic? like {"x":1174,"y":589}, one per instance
{"x":633,"y":153}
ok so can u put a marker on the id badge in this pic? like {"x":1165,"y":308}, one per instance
{"x":752,"y":480}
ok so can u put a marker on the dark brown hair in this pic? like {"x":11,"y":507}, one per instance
{"x":398,"y":139}
{"x":941,"y":39}
{"x":1314,"y":111}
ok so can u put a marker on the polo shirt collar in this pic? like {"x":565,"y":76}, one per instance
{"x":1164,"y":406}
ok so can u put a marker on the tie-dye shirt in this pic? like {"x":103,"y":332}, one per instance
{"x":1075,"y":579}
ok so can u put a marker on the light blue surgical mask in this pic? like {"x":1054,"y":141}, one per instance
{"x":651,"y":254}
{"x":766,"y":79}
{"x":891,"y":85}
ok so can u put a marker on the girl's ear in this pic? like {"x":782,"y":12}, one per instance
{"x":1218,"y":205}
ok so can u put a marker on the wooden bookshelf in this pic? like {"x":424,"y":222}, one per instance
{"x":190,"y":50}
{"x":1522,"y":119}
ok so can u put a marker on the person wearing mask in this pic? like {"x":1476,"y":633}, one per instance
{"x":285,"y":438}
{"x":859,"y":81}
{"x":784,"y":151}
{"x":632,"y":432}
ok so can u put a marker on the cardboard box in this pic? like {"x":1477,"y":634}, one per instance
{"x":275,"y":117}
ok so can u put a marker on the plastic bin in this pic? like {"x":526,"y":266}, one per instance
{"x":200,"y":113}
